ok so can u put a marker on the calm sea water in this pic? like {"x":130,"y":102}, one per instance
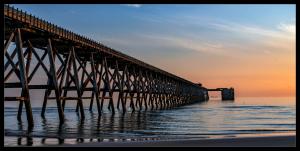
{"x":205,"y":120}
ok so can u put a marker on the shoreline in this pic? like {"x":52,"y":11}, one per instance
{"x":283,"y":140}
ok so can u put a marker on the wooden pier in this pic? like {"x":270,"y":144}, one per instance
{"x":72,"y":62}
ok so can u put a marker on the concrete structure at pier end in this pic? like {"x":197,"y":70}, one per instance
{"x":226,"y":93}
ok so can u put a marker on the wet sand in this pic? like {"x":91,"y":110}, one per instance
{"x":262,"y":141}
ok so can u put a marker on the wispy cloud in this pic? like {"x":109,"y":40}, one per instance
{"x":185,"y":43}
{"x":282,"y":31}
{"x":233,"y":38}
{"x":134,"y":5}
{"x":289,"y":28}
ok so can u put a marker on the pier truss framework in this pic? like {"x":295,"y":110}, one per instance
{"x":75,"y":63}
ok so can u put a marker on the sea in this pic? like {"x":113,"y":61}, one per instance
{"x":245,"y":116}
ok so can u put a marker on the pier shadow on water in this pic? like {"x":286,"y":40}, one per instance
{"x":131,"y":126}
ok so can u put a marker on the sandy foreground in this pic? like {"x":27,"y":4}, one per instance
{"x":261,"y":141}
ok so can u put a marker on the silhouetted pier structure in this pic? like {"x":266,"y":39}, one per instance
{"x":73,"y":62}
{"x":226,"y":93}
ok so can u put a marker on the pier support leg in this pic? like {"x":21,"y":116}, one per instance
{"x":78,"y":86}
{"x":25,"y":90}
{"x":95,"y":87}
{"x":54,"y":81}
{"x":47,"y":93}
{"x":27,"y":71}
{"x":64,"y":73}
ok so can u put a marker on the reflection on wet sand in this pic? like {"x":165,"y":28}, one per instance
{"x":29,"y":141}
{"x":95,"y":129}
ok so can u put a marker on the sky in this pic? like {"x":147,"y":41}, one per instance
{"x":248,"y":47}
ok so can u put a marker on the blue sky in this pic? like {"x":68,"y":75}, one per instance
{"x":212,"y":44}
{"x":113,"y":23}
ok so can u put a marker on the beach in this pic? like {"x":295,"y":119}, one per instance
{"x":287,"y":140}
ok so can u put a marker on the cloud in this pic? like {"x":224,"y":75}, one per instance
{"x":210,"y":36}
{"x":283,"y":32}
{"x":185,"y":43}
{"x":289,"y":28}
{"x":134,"y":5}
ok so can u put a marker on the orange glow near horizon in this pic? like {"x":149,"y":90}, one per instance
{"x":258,"y":77}
{"x":271,"y":74}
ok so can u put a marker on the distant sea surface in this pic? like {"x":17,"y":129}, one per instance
{"x":206,"y":120}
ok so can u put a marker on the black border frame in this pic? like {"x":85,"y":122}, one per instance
{"x":129,"y":2}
